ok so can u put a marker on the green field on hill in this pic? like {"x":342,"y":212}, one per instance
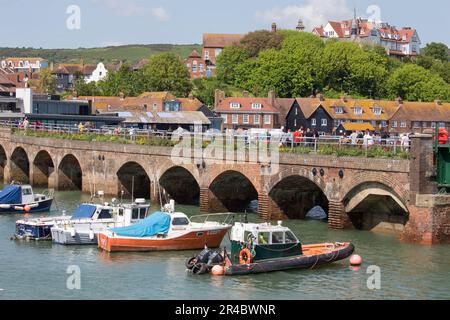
{"x":128,"y":53}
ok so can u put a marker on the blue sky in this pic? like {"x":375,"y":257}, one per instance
{"x":42,"y":23}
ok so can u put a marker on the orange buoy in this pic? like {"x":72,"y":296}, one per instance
{"x":218,"y":271}
{"x":27,"y":208}
{"x":356,"y":260}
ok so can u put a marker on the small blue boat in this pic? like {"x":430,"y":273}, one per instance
{"x":22,"y":199}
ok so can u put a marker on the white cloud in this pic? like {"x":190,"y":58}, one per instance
{"x":160,"y":14}
{"x":313,"y":13}
{"x":111,"y":44}
{"x":132,"y":8}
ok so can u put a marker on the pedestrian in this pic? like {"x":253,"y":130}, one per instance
{"x":354,"y":137}
{"x":404,"y":142}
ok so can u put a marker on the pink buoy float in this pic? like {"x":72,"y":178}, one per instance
{"x":218,"y":271}
{"x":355,"y":260}
{"x":27,"y":208}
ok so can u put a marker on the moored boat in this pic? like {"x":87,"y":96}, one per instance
{"x":22,"y":199}
{"x":36,"y":228}
{"x":165,"y":230}
{"x":261,"y":248}
{"x":90,"y":219}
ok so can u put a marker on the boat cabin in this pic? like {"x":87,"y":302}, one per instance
{"x":265,"y":241}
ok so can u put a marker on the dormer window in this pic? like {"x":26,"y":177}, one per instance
{"x":339,"y":110}
{"x":235,"y":105}
{"x":256,"y":106}
{"x":377,"y":111}
{"x":358,"y":110}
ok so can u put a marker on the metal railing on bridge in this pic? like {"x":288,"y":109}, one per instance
{"x":363,"y":145}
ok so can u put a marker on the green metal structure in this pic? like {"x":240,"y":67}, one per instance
{"x":443,"y":165}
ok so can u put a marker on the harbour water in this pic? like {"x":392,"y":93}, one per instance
{"x":38,"y":270}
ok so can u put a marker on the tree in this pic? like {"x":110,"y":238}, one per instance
{"x":204,"y":89}
{"x":122,"y":81}
{"x":166,"y":72}
{"x":227,"y":62}
{"x":257,"y":41}
{"x":414,"y":83}
{"x":45,"y":83}
{"x":349,"y":68}
{"x":437,"y":51}
{"x":87,"y":89}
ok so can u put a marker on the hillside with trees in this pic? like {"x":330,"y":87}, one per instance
{"x":129,"y":53}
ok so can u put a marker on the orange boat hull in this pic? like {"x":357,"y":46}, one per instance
{"x":190,"y":241}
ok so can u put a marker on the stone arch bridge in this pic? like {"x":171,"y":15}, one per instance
{"x":356,"y":192}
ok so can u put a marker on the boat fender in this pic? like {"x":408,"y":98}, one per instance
{"x":73,"y":233}
{"x":33,"y":205}
{"x":91,"y":234}
{"x":18,"y":208}
{"x":190,"y":262}
{"x":5,"y":206}
{"x":27,"y":208}
{"x":218,"y":270}
{"x":245,"y":256}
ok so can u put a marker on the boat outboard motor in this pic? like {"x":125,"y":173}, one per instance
{"x":202,"y":257}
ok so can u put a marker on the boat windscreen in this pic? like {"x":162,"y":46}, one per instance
{"x":84,"y":211}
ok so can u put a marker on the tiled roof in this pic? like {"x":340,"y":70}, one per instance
{"x":284,"y":105}
{"x":422,"y":111}
{"x":188,"y":104}
{"x":194,"y":54}
{"x":156,"y":95}
{"x":73,"y":68}
{"x":320,"y":31}
{"x":245,"y":105}
{"x":215,"y":40}
{"x":141,"y":64}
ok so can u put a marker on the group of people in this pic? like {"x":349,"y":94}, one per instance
{"x":299,"y":136}
{"x":368,"y":139}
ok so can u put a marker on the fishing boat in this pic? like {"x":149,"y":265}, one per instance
{"x":261,"y":248}
{"x":37,"y":228}
{"x":166,"y":230}
{"x":21,"y":199}
{"x":90,"y":219}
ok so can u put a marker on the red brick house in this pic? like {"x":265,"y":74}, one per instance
{"x":247,"y":112}
{"x":196,"y":65}
{"x":213,"y":44}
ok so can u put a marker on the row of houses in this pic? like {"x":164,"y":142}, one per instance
{"x":326,"y":115}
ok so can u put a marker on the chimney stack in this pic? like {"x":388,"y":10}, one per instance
{"x":191,"y":96}
{"x":274,"y":27}
{"x":399,"y":100}
{"x":271,"y":96}
{"x":219,"y":95}
{"x":121,"y":95}
{"x":245,"y":94}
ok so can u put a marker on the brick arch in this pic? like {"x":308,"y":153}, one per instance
{"x":3,"y":161}
{"x":166,"y":165}
{"x":180,"y":183}
{"x":302,"y":172}
{"x":384,"y":179}
{"x":133,"y":171}
{"x":248,"y":171}
{"x":20,"y":167}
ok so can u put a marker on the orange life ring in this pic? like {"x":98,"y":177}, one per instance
{"x":245,"y":256}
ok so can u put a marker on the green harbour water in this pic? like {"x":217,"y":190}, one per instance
{"x":38,"y":270}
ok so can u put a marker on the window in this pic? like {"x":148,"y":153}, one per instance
{"x":105,"y":214}
{"x":142,"y":213}
{"x":206,"y":55}
{"x":200,"y":67}
{"x":377,"y":111}
{"x":155,"y":107}
{"x":358,"y":110}
{"x":416,"y":124}
{"x":246,"y":119}
{"x":256,"y":106}
{"x":194,"y":66}
{"x":267,"y":119}
{"x":263,"y":238}
{"x":433,"y":125}
{"x":235,"y":118}
{"x":256,"y":119}
{"x":403,"y":124}
{"x":313,"y":122}
{"x":384,"y":124}
{"x":324,"y":122}
{"x":135,"y":214}
{"x":225,"y":118}
{"x":295,"y":122}
{"x":441,"y":124}
{"x":339,"y":110}
{"x":26,"y":191}
{"x":424,"y":125}
{"x":235,"y":105}
{"x":394,"y":124}
{"x":290,"y":237}
{"x":180,"y":222}
{"x":277,"y":237}
{"x":296,"y":111}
